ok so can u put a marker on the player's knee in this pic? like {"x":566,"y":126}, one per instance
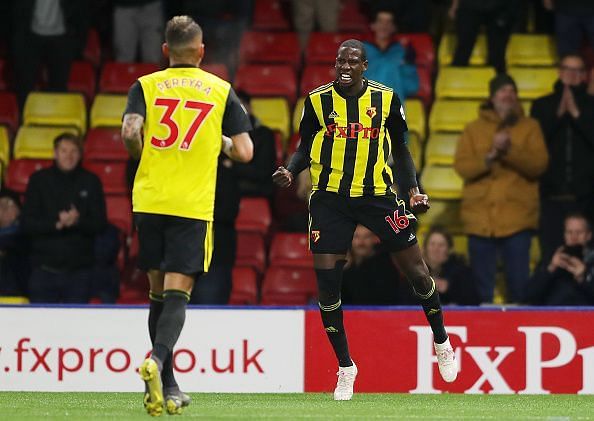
{"x":423,"y":286}
{"x":329,"y":284}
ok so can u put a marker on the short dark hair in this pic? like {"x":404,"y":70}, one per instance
{"x":180,"y":31}
{"x":12,"y":195}
{"x":357,"y":45}
{"x":573,"y":54}
{"x":377,"y":11}
{"x":68,"y":137}
{"x":578,"y":215}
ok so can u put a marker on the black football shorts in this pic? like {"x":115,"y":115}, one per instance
{"x":173,"y":244}
{"x":333,"y":219}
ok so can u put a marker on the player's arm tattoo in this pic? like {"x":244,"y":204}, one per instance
{"x":132,"y":134}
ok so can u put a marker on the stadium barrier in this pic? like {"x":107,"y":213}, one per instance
{"x":500,"y":350}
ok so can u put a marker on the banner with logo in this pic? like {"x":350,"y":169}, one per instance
{"x":501,"y":352}
{"x":274,"y":350}
{"x":99,"y":349}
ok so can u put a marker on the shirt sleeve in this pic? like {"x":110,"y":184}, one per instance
{"x":307,"y":130}
{"x":136,"y":104}
{"x":235,"y":119}
{"x":396,"y":121}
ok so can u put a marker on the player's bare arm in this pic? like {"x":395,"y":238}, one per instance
{"x":238,"y":147}
{"x":132,"y":134}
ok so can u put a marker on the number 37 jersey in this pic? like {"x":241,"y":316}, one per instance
{"x":186,"y":112}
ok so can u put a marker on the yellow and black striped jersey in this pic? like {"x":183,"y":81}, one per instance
{"x":349,"y":138}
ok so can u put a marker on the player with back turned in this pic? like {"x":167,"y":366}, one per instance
{"x":349,"y":129}
{"x":185,"y":115}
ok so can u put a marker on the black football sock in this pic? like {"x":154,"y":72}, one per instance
{"x":170,"y":323}
{"x":432,"y":309}
{"x":329,"y":281}
{"x":155,"y":309}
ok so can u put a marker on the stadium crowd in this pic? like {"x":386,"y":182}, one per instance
{"x":506,"y":162}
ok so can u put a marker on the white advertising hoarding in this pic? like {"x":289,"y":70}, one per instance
{"x":99,"y":349}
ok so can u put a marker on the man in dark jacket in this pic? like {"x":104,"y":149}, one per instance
{"x":254,"y":176}
{"x":370,"y":277}
{"x":64,"y":211}
{"x":567,"y":121}
{"x":568,"y":278}
{"x":214,"y":286}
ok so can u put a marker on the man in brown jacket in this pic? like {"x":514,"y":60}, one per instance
{"x":500,"y":157}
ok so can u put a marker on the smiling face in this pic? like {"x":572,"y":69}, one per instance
{"x":67,"y":155}
{"x":350,"y":66}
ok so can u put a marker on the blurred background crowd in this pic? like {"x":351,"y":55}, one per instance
{"x":498,"y":96}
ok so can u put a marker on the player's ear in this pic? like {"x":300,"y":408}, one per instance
{"x":365,"y":64}
{"x":165,"y":49}
{"x":201,"y":52}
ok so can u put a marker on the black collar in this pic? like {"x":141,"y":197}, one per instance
{"x":340,"y":91}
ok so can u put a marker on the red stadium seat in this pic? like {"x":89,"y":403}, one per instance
{"x":82,"y":79}
{"x":105,"y":144}
{"x":351,"y":18}
{"x":314,"y":76}
{"x":112,"y":175}
{"x":425,"y":92}
{"x":119,"y":212}
{"x":254,"y":215}
{"x":279,"y":148}
{"x":117,"y":77}
{"x":19,"y":171}
{"x":251,"y":251}
{"x":290,"y":209}
{"x":269,"y":15}
{"x":322,"y":46}
{"x":92,"y":51}
{"x":267,"y":80}
{"x":289,"y":286}
{"x":133,"y":247}
{"x":293,"y":143}
{"x":423,"y":46}
{"x":9,"y":111}
{"x":270,"y":48}
{"x":217,"y":69}
{"x":5,"y":75}
{"x":245,"y":286}
{"x":134,"y":290}
{"x":290,"y":250}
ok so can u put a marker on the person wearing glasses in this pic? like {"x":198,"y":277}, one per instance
{"x":567,"y":120}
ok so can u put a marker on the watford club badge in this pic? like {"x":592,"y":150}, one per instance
{"x":371,"y":112}
{"x":315,"y":236}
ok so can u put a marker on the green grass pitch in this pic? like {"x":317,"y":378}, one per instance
{"x":310,"y":406}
